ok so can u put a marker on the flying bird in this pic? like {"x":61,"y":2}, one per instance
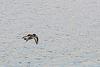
{"x":31,"y":36}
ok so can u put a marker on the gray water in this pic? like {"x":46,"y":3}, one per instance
{"x":68,"y":30}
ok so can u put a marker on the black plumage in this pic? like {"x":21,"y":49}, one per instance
{"x":31,"y":36}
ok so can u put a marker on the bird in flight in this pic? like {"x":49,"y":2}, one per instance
{"x":31,"y":36}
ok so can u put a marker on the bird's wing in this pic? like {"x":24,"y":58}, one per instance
{"x":24,"y":36}
{"x":36,"y":40}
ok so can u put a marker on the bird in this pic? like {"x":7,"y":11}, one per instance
{"x":31,"y":36}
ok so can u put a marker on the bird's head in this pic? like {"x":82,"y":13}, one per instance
{"x":34,"y":35}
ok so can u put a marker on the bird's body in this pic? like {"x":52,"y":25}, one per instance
{"x":31,"y":36}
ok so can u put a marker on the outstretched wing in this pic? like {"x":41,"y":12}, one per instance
{"x":36,"y":40}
